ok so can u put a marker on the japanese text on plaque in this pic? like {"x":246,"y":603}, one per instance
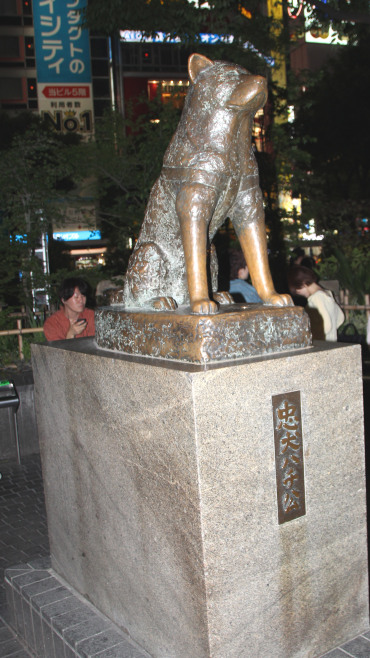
{"x":289,"y":456}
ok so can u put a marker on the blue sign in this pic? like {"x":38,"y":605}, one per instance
{"x":73,"y":236}
{"x":62,"y":46}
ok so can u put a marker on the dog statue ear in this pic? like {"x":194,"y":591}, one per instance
{"x":196,"y":63}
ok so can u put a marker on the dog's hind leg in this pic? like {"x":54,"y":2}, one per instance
{"x":144,"y":282}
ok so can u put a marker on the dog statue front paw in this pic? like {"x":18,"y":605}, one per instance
{"x":278,"y":300}
{"x":223,"y":297}
{"x":204,"y":307}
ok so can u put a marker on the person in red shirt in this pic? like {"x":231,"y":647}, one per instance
{"x":72,"y":320}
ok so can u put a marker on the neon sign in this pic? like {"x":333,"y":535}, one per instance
{"x":295,"y":8}
{"x":73,"y":236}
{"x":136,"y":36}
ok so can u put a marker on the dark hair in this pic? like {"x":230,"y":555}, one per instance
{"x":298,"y":251}
{"x":298,"y":257}
{"x":307,"y":261}
{"x":298,"y":276}
{"x":237,"y":262}
{"x":68,"y":286}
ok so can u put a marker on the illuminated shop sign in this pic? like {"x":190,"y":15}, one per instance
{"x":63,"y":65}
{"x":136,"y":36}
{"x":62,"y":46}
{"x":294,"y":8}
{"x":73,"y":236}
{"x":327,"y":36}
{"x":318,"y":35}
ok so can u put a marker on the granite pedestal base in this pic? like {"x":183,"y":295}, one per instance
{"x":161,"y":494}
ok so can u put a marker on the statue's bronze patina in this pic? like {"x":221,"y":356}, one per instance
{"x":209,"y":174}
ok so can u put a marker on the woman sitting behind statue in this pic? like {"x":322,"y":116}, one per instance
{"x":324,"y":312}
{"x":73,"y":320}
{"x":238,"y":279}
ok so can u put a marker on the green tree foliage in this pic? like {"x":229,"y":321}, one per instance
{"x":331,"y":129}
{"x":251,"y":36}
{"x":350,"y":18}
{"x":350,"y":264}
{"x":244,"y":22}
{"x":34,"y":171}
{"x":125,"y":159}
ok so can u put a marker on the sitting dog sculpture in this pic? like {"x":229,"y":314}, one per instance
{"x":209,"y":173}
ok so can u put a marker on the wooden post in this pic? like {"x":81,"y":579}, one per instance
{"x":346,"y":301}
{"x":20,"y":340}
{"x":367,"y":304}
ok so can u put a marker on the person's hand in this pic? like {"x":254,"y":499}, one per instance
{"x":76,"y":327}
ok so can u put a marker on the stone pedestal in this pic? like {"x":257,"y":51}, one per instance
{"x":161,"y":487}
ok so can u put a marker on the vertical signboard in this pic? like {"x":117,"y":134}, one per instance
{"x":63,"y":65}
{"x":289,"y":460}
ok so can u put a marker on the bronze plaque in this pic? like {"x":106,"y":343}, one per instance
{"x":289,"y":456}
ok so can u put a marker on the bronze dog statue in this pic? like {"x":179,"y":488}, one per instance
{"x":209,"y":173}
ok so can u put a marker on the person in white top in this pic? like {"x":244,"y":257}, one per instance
{"x":324,"y":312}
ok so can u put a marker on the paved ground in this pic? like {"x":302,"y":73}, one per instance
{"x":23,"y":531}
{"x":23,"y":537}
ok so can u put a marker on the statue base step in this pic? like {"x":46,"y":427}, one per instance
{"x":236,"y":332}
{"x":52,"y":619}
